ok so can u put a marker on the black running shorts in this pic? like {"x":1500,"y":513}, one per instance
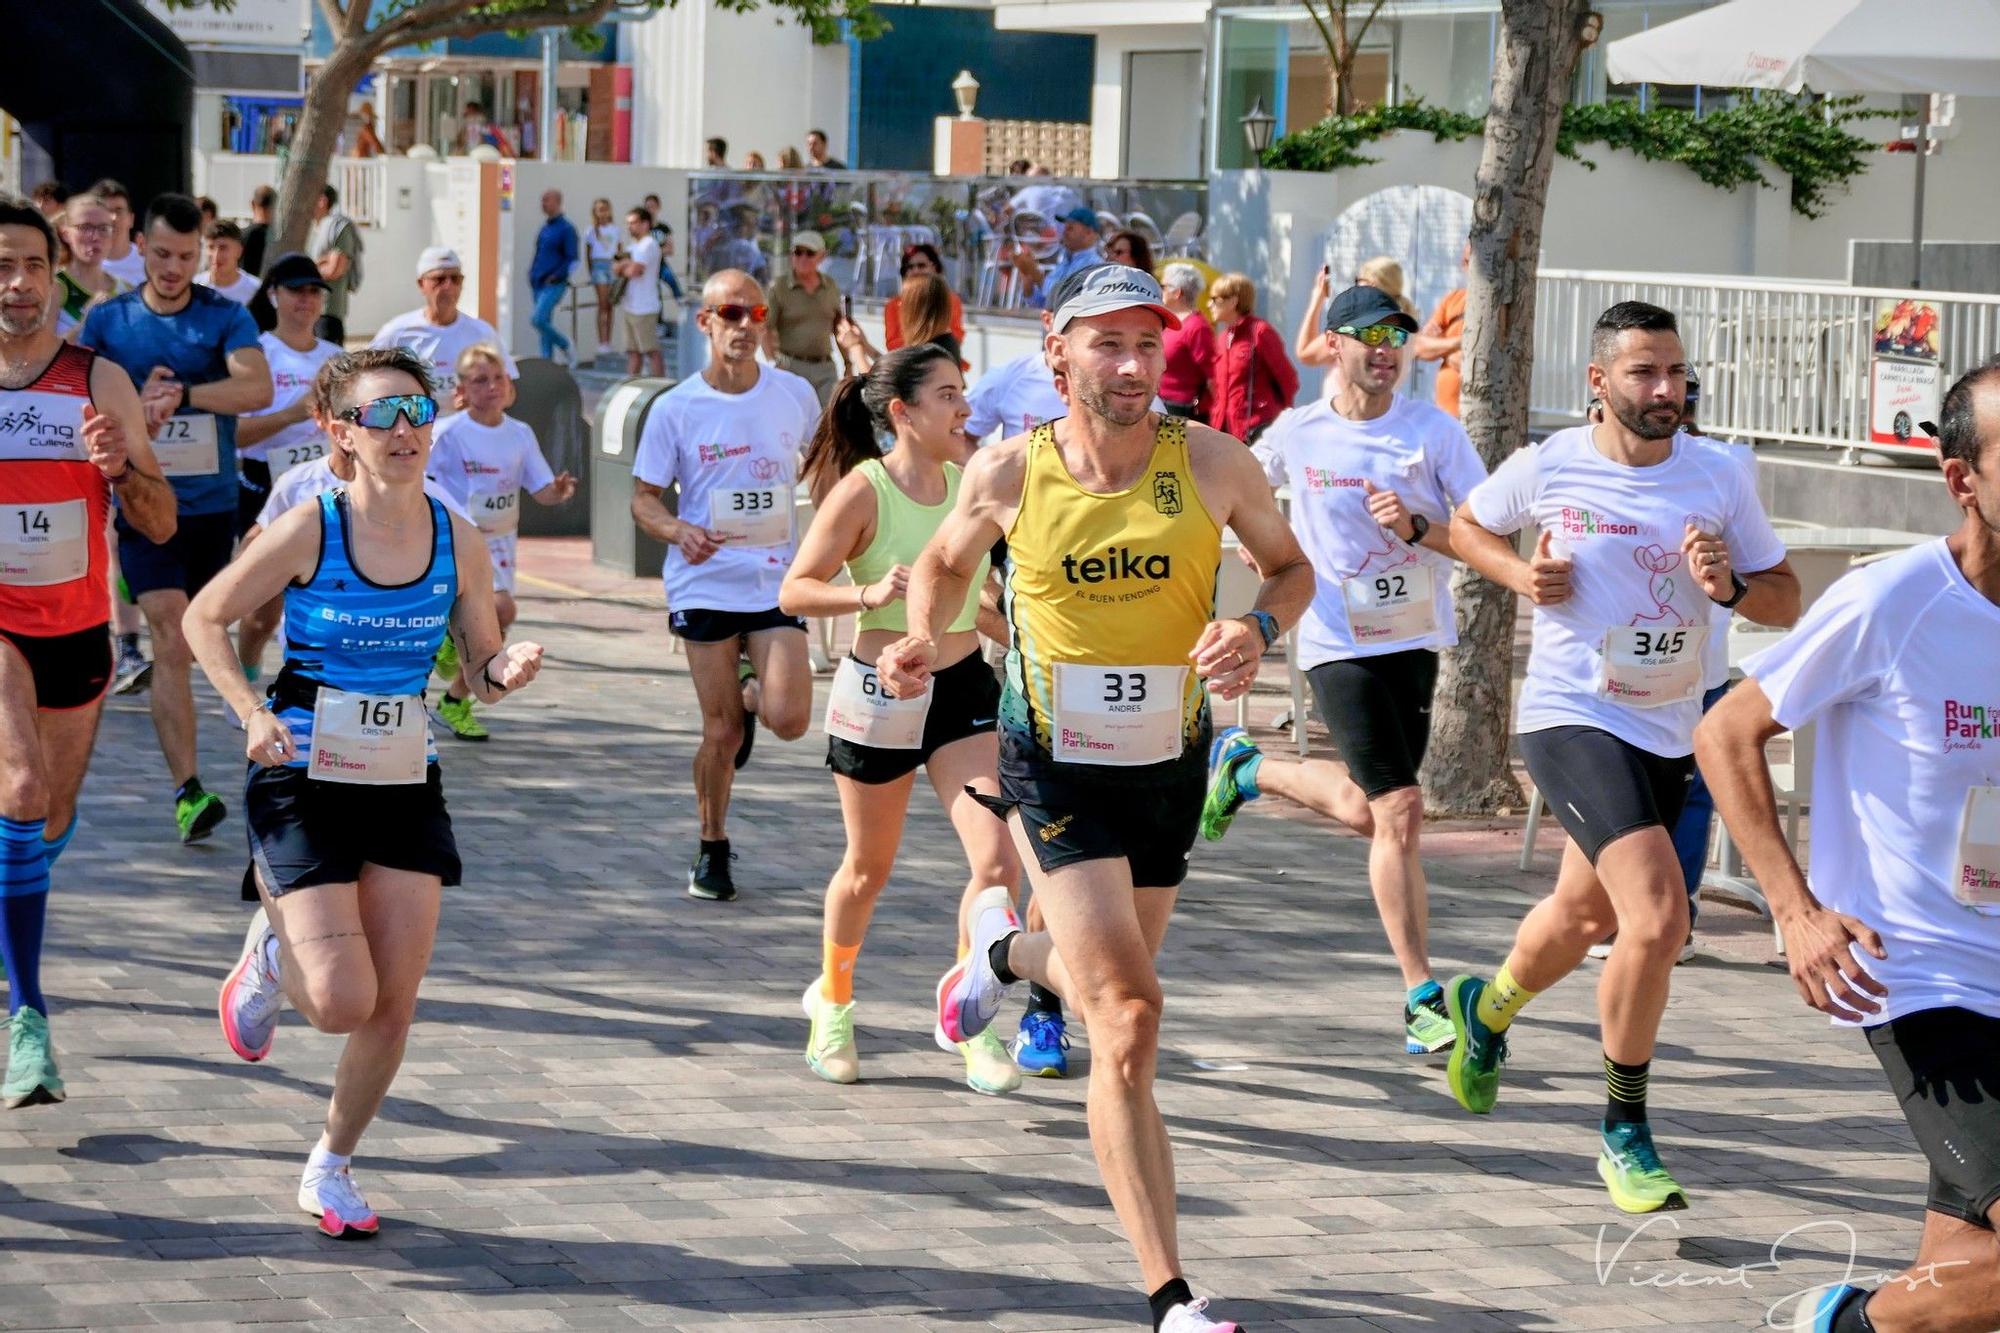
{"x":1941,"y":1064}
{"x":253,"y":488}
{"x":1080,"y":812}
{"x":720,"y":626}
{"x":965,"y":701}
{"x":70,"y":670}
{"x":1378,"y":710}
{"x":304,"y":832}
{"x":1601,"y":788}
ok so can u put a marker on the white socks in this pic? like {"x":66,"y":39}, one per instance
{"x":324,"y":1161}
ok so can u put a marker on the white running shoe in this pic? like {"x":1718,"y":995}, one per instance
{"x":331,"y":1196}
{"x":969,"y":994}
{"x":251,"y":997}
{"x":1190,"y":1319}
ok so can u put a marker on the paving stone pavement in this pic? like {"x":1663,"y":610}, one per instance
{"x":605,"y":1122}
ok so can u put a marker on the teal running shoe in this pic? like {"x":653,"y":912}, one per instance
{"x":1630,"y":1168}
{"x":1477,"y":1052}
{"x":1226,"y":756}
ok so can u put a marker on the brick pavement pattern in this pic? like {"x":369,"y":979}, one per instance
{"x":605,"y":1120}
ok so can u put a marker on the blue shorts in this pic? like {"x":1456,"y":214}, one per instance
{"x":200,"y":547}
{"x":600,"y":272}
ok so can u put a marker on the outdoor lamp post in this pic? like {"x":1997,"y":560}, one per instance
{"x":1257,"y":126}
{"x":966,"y":89}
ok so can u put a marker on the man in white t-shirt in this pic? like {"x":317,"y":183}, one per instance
{"x":1898,"y":933}
{"x":1374,"y":478}
{"x":729,"y":439}
{"x":438,"y":331}
{"x":639,"y":303}
{"x":224,"y":271}
{"x":1642,"y":531}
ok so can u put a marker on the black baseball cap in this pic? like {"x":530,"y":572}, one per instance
{"x":292,"y":270}
{"x":1358,"y":307}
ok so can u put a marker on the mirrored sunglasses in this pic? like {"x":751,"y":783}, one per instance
{"x":420,"y":409}
{"x":1375,"y":335}
{"x":736,"y":314}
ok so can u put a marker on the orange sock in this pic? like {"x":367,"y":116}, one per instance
{"x":836,"y":971}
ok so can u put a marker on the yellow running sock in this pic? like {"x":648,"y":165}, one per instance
{"x":836,"y":971}
{"x":1501,"y":1000}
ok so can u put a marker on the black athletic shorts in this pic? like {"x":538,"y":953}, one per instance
{"x":304,"y":832}
{"x":965,"y":701}
{"x":70,"y":670}
{"x":721,"y":626}
{"x":200,"y":547}
{"x":253,"y":488}
{"x":1379,"y":712}
{"x":1941,"y":1064}
{"x":1081,"y":812}
{"x":1601,"y":788}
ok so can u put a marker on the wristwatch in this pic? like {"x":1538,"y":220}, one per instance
{"x":185,"y":391}
{"x":1741,"y":589}
{"x":1267,"y":625}
{"x":1419,"y":525}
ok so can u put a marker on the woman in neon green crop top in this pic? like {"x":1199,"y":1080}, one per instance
{"x":873,"y":513}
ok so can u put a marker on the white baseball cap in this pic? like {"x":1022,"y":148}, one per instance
{"x":1111,"y":287}
{"x":437,"y":257}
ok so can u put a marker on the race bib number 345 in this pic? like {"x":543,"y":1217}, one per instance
{"x":1122,"y":716}
{"x":1651,"y":668}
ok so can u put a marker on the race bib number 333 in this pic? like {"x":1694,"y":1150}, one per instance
{"x":760,"y":517}
{"x":1122,"y":716}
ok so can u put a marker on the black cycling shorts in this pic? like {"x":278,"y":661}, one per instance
{"x":720,"y":626}
{"x":304,"y":832}
{"x":1080,"y":812}
{"x":1941,"y":1064}
{"x":253,"y":488}
{"x":965,"y":701}
{"x":70,"y":670}
{"x":1600,"y":788}
{"x":200,"y":547}
{"x":1378,"y":710}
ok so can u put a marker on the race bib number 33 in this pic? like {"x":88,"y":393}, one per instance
{"x":1646,"y":667}
{"x":369,"y":739}
{"x":1122,"y":716}
{"x":43,"y":544}
{"x":186,"y":446}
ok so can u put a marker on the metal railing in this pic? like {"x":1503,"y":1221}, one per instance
{"x":1779,"y":360}
{"x":746,"y":220}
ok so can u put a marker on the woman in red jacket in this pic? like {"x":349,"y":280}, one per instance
{"x":1253,"y":379}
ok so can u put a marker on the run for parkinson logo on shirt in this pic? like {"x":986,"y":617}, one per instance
{"x":1969,"y":726}
{"x":1579,"y":522}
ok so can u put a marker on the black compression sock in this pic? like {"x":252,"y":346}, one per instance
{"x":996,"y":956}
{"x":1853,"y":1316}
{"x":188,"y":790}
{"x":1041,"y":998}
{"x":1174,"y":1292}
{"x":1625,"y":1092}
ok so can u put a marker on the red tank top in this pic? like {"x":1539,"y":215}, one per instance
{"x":54,"y":504}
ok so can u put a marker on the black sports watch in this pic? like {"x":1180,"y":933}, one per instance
{"x":186,"y":401}
{"x":1419,"y":525}
{"x":1267,"y":625}
{"x":1741,"y":590}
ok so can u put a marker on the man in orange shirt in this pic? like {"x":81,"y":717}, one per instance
{"x":1441,"y":337}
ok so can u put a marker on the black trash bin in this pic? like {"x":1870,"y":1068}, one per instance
{"x":615,"y":540}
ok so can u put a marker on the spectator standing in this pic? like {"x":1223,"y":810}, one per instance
{"x":919,"y":260}
{"x":124,"y":260}
{"x":754,"y":161}
{"x":1130,"y":249}
{"x":601,"y":245}
{"x":335,"y":245}
{"x":225,"y":263}
{"x":665,"y":236}
{"x":805,"y":305}
{"x":820,"y":158}
{"x":923,"y":308}
{"x":367,"y":143}
{"x":263,"y":200}
{"x":789,"y":159}
{"x":1442,"y":338}
{"x":1254,"y":380}
{"x":1189,"y":349}
{"x":548,"y":275}
{"x":717,"y":151}
{"x":639,"y":303}
{"x":1020,"y":166}
{"x":1081,"y":248}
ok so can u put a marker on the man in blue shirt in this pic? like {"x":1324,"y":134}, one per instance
{"x":194,"y":356}
{"x":1081,"y":248}
{"x":548,"y":276}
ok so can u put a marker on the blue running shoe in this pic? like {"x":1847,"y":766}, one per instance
{"x":1039,"y":1048}
{"x":1816,"y":1308}
{"x":1226,"y":755}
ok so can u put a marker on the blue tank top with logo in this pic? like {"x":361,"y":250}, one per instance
{"x":345,"y":631}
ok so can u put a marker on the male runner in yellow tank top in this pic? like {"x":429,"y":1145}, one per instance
{"x":1113,"y":517}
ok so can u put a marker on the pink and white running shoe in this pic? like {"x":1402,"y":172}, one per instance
{"x":331,"y":1197}
{"x":969,"y":994}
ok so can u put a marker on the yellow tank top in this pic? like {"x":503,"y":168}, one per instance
{"x":1125,"y":579}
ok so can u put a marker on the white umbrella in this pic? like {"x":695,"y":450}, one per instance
{"x":1831,"y":46}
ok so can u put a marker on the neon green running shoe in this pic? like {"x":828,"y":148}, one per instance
{"x":196,"y":816}
{"x":988,"y":1066}
{"x":32,"y":1079}
{"x":446,"y":662}
{"x":1630,"y":1168}
{"x":1477,"y":1052}
{"x":1231,"y":749}
{"x":1427,"y":1027}
{"x":457,"y":714}
{"x":830,"y":1050}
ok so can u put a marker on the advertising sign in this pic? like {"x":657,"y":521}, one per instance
{"x":1905,"y":380}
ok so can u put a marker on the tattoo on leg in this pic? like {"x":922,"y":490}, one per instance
{"x":334,"y":935}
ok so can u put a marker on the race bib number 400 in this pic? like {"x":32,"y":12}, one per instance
{"x":1122,"y":716}
{"x":1651,"y":668}
{"x":861,"y":711}
{"x":186,"y":446}
{"x":497,"y":513}
{"x":1975,"y":882}
{"x":282,"y":458}
{"x":1394,"y":606}
{"x":43,"y":544}
{"x":761,"y":517}
{"x":370,"y":739}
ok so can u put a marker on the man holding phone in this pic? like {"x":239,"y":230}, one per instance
{"x":805,"y":305}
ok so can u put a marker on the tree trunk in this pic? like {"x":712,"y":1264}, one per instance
{"x":1467,"y":770}
{"x":320,"y":123}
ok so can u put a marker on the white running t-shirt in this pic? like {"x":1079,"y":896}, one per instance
{"x":309,"y":481}
{"x":642,"y":294}
{"x":476,"y":462}
{"x":440,"y":345}
{"x":1621,"y":527}
{"x":1715,"y":662}
{"x":239,"y":291}
{"x":1896,"y":664}
{"x":743,"y":446}
{"x":1013,"y":398}
{"x":1413,"y":449}
{"x":292,"y":375}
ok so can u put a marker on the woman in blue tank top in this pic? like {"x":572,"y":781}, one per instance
{"x":343,"y":793}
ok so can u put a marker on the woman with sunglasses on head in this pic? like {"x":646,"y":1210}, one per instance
{"x":348,"y":831}
{"x":921,"y":260}
{"x":1374,"y":478}
{"x":875,"y":515}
